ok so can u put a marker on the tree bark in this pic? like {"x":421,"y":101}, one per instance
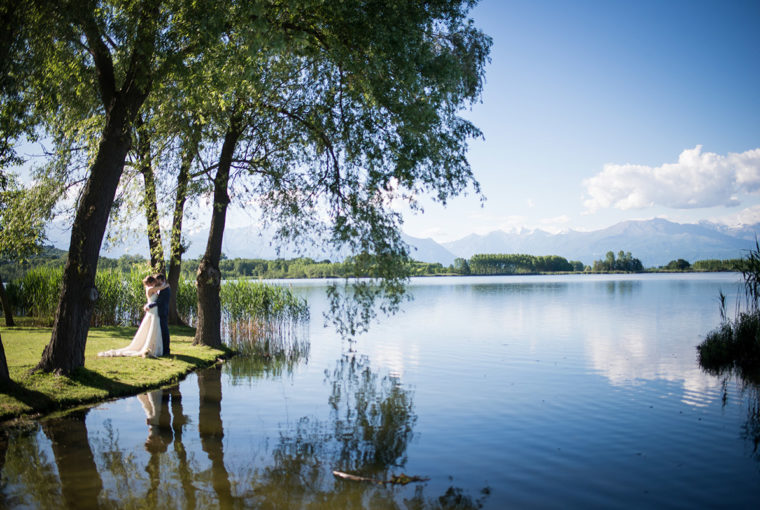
{"x":176,"y":249}
{"x":65,"y":352}
{"x":209,"y":278}
{"x":157,"y":262}
{"x":7,"y":310}
{"x":4,"y":375}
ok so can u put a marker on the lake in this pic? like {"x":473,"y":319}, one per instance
{"x":502,"y":392}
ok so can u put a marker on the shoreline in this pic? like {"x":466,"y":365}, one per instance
{"x":33,"y":397}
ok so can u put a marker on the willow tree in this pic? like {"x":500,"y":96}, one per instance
{"x":106,"y":57}
{"x":24,"y":213}
{"x":371,"y":114}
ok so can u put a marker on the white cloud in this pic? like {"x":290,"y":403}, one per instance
{"x":697,"y":180}
{"x":748,"y":216}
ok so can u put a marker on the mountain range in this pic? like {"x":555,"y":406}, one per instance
{"x":655,"y":242}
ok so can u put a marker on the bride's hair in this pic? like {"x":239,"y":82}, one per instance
{"x":149,"y":281}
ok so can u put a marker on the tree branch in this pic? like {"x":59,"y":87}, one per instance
{"x":102,"y":58}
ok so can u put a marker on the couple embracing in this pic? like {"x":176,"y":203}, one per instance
{"x":152,"y":337}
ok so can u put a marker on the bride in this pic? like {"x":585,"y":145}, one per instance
{"x":147,"y":341}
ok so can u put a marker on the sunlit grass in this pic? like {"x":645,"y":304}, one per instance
{"x":101,"y":378}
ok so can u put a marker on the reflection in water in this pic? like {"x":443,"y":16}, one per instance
{"x":372,"y":417}
{"x":751,"y":428}
{"x":622,"y":287}
{"x":212,"y":431}
{"x":29,"y":477}
{"x":369,"y":429}
{"x":241,"y":369}
{"x":156,"y":407}
{"x":80,"y":481}
{"x":183,"y":469}
{"x":747,"y":386}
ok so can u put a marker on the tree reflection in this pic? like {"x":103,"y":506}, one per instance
{"x":242,"y":369}
{"x":80,"y":481}
{"x":372,"y":417}
{"x":368,"y":432}
{"x":179,"y":422}
{"x":749,"y":387}
{"x":212,"y":431}
{"x":29,"y":477}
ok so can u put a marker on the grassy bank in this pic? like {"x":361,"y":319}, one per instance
{"x":100,"y":379}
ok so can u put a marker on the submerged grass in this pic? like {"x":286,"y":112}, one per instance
{"x":100,"y":378}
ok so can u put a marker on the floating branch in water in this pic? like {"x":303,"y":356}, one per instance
{"x":401,"y":479}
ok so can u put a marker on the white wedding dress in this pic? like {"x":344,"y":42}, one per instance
{"x":147,"y":341}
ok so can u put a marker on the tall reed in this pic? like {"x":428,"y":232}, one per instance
{"x":735,"y":345}
{"x":267,"y":320}
{"x":36,"y":294}
{"x":263,"y":319}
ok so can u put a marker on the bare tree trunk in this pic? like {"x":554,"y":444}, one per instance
{"x":7,"y":310}
{"x":209,"y":278}
{"x":65,"y":352}
{"x":176,"y":249}
{"x":144,"y":157}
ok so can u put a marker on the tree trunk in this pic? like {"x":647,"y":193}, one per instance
{"x":176,"y":249}
{"x":7,"y":310}
{"x":157,"y":262}
{"x":65,"y":352}
{"x":4,"y":375}
{"x":209,"y":278}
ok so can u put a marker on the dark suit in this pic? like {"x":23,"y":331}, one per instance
{"x":163,"y":315}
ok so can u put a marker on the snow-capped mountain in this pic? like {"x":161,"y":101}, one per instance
{"x":655,"y":242}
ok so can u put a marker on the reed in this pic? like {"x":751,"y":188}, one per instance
{"x":735,"y":345}
{"x":36,"y":294}
{"x":264,"y":320}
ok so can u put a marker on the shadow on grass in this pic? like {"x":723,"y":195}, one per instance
{"x":191,"y":360}
{"x":37,"y":400}
{"x":93,"y":379}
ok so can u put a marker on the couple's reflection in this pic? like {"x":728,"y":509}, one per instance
{"x":166,"y":422}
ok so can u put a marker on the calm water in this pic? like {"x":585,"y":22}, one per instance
{"x":506,"y":392}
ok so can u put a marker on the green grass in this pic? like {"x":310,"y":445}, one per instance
{"x":100,"y":379}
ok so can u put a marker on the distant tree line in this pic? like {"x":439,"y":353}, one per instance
{"x":492,"y":264}
{"x":305,"y":267}
{"x":624,"y":262}
{"x":718,"y":265}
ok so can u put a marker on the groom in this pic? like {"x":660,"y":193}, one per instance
{"x":164,"y":295}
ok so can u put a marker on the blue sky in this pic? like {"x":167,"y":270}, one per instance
{"x":588,"y":106}
{"x":599,"y":111}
